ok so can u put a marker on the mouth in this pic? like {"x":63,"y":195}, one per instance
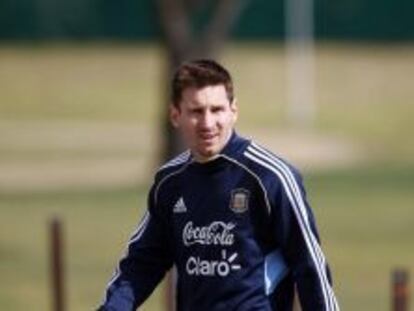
{"x":207,"y":137}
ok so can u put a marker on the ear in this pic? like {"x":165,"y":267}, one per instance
{"x":174,"y":115}
{"x":235,"y":109}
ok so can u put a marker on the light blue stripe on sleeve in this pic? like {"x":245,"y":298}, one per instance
{"x":275,"y":269}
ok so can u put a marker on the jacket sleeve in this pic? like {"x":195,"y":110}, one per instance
{"x":146,"y":260}
{"x":297,"y":234}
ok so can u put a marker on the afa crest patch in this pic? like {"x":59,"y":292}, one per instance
{"x":239,"y":202}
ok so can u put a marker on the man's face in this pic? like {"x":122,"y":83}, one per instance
{"x":205,"y":118}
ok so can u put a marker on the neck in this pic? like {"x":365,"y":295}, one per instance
{"x":203,"y":159}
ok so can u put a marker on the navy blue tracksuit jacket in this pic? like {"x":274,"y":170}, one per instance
{"x":239,"y":231}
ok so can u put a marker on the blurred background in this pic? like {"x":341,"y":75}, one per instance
{"x":328,"y":85}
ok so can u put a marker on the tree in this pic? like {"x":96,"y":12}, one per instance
{"x":184,"y":41}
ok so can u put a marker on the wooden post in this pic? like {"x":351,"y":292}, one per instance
{"x":296,"y":303}
{"x":57,"y":265}
{"x":170,"y":282}
{"x":400,"y":295}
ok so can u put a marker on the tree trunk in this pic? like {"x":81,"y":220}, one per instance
{"x":181,"y":44}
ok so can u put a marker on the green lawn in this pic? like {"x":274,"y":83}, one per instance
{"x":63,"y":94}
{"x":365,"y":218}
{"x":367,"y":224}
{"x":96,"y":226}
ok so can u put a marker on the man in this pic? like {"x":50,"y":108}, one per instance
{"x":231,"y":216}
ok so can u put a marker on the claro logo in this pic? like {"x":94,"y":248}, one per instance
{"x":199,"y":267}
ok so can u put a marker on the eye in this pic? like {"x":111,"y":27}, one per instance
{"x":217,"y":109}
{"x":196,"y":111}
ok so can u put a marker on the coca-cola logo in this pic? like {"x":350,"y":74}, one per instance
{"x":217,"y":233}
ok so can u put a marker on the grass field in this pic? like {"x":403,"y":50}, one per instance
{"x":75,"y":119}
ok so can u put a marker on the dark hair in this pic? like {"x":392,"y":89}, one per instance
{"x":198,"y":74}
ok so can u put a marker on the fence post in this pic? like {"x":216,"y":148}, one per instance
{"x":57,"y":264}
{"x":170,"y":289}
{"x":296,"y":303}
{"x":400,"y":295}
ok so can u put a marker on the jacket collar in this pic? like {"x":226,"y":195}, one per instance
{"x":234,"y":146}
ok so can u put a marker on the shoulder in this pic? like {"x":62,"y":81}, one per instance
{"x":269,"y":166}
{"x":173,"y":166}
{"x":170,"y":168}
{"x":174,"y":163}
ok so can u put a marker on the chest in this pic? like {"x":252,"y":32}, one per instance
{"x":220,"y":209}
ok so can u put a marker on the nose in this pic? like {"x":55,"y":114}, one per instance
{"x":207,"y":120}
